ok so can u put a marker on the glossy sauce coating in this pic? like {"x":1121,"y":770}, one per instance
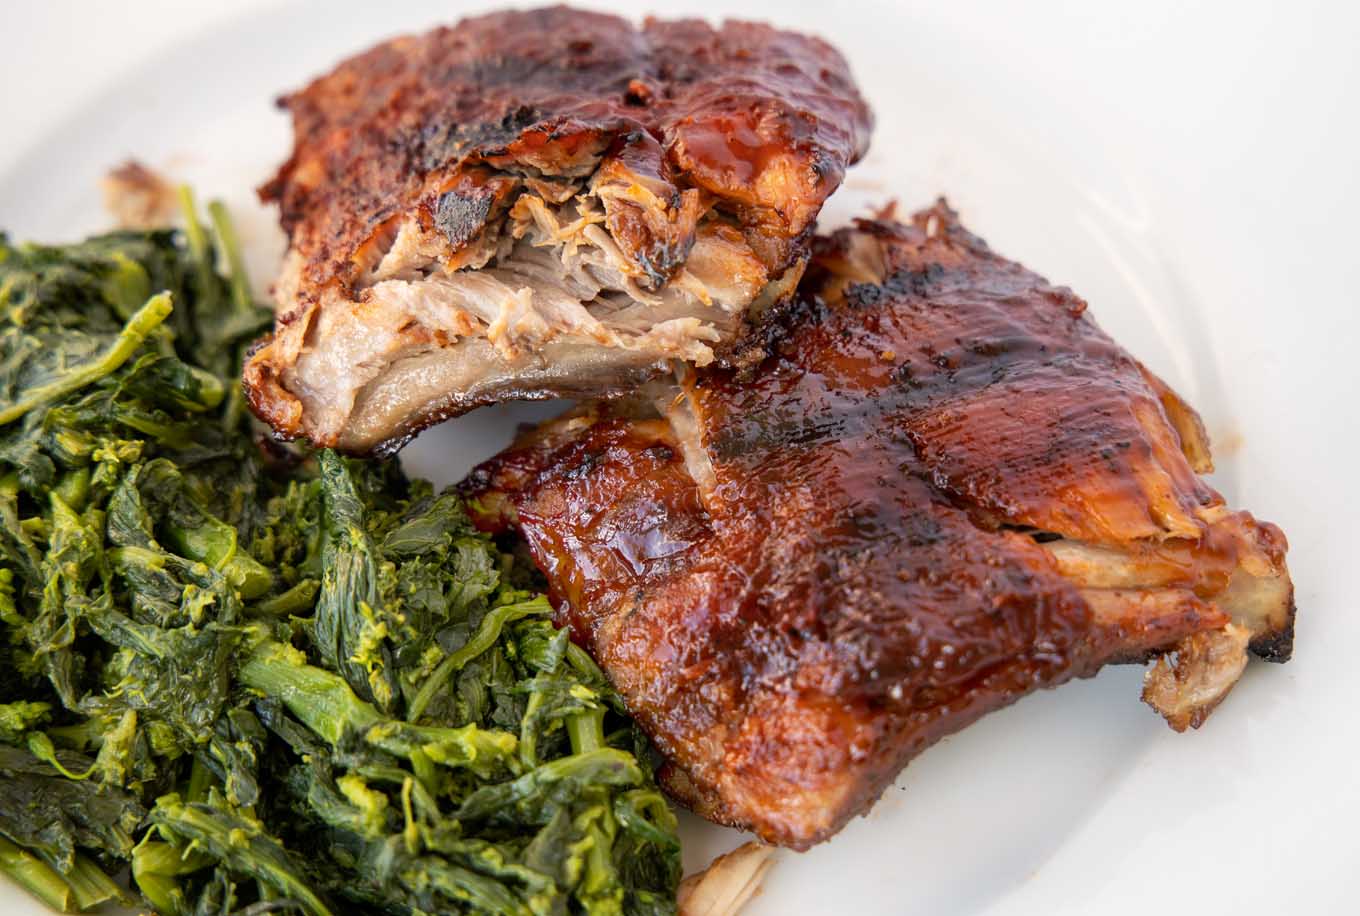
{"x":856,"y":579}
{"x":547,"y":91}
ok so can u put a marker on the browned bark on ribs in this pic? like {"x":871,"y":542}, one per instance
{"x":944,"y":488}
{"x":674,"y":170}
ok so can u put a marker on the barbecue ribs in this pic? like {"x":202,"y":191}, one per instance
{"x":540,"y":204}
{"x":943,"y":488}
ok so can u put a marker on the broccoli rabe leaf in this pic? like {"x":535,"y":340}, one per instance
{"x":51,"y":815}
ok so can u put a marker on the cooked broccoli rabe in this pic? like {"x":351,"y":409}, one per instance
{"x":263,"y":679}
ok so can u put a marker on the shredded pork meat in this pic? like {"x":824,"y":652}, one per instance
{"x":550,"y":298}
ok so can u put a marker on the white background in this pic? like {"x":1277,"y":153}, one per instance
{"x":1191,"y":168}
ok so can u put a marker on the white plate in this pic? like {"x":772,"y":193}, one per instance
{"x":1192,"y":173}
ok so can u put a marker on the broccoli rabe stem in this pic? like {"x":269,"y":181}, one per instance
{"x":301,"y":597}
{"x":38,"y":878}
{"x":200,"y":780}
{"x":199,"y":251}
{"x":325,"y":703}
{"x":321,"y":700}
{"x":92,"y":886}
{"x":231,"y":247}
{"x":586,"y":730}
{"x":245,"y":312}
{"x":40,"y":746}
{"x":156,"y":867}
{"x":84,"y":887}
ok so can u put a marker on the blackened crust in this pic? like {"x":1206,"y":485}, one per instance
{"x":1278,"y":645}
{"x":765,"y":121}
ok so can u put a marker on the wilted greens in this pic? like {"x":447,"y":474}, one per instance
{"x":258,"y":680}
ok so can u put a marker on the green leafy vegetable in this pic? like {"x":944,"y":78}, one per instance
{"x":270,"y":681}
{"x":73,"y":378}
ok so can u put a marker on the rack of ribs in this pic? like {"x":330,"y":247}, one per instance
{"x":540,"y":204}
{"x":935,"y":486}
